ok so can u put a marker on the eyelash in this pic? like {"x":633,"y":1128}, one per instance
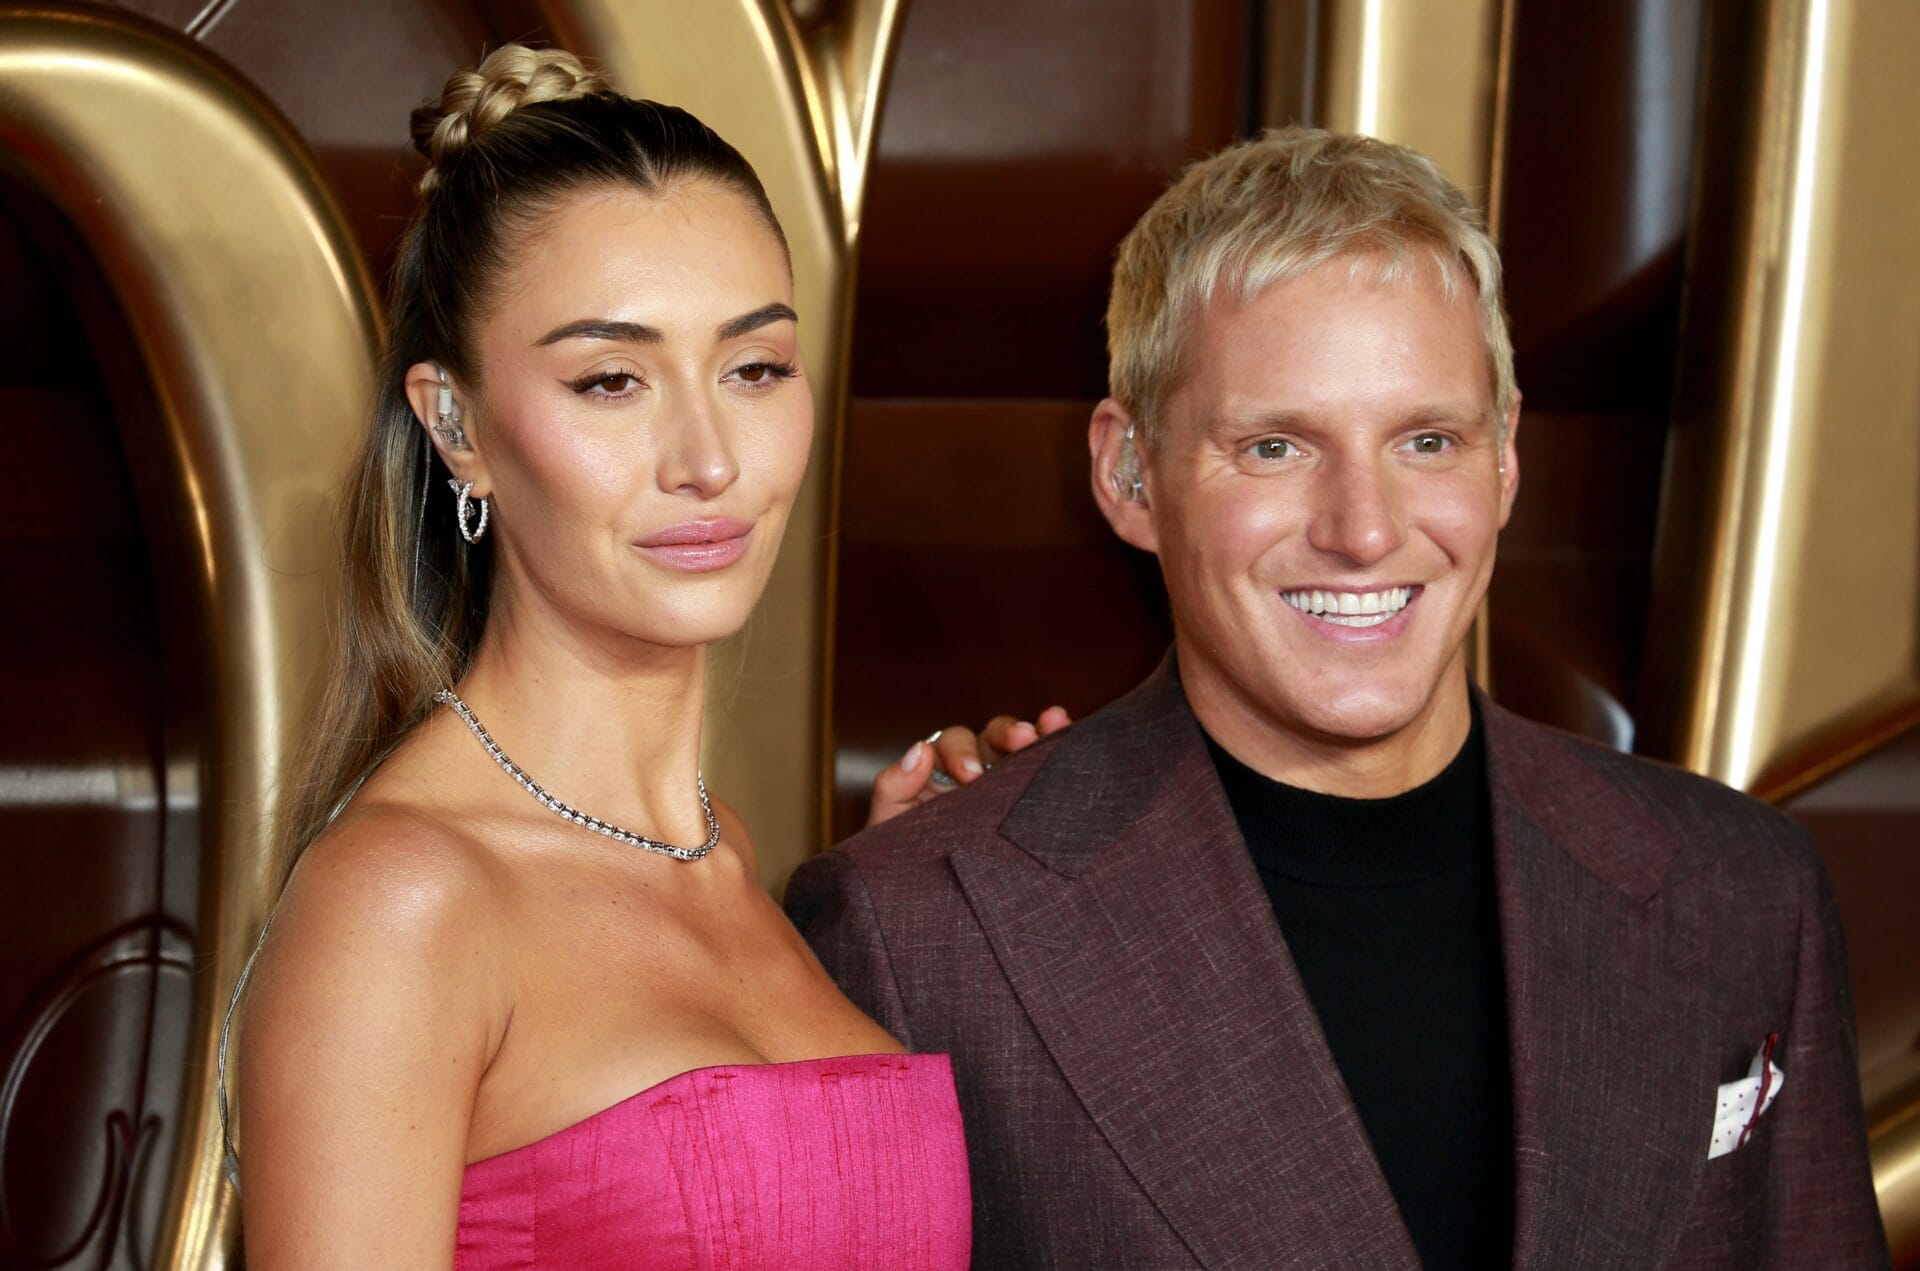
{"x":587,"y":383}
{"x":775,"y":373}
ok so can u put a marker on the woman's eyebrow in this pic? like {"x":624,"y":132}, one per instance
{"x":639,"y":333}
{"x":734,"y":328}
{"x":602,"y":329}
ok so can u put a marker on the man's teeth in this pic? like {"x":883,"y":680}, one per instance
{"x":1350,"y":608}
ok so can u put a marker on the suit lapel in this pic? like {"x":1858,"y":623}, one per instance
{"x":1141,"y":944}
{"x":1613,"y":1074}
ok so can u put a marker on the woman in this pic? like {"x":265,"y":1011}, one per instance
{"x":594,"y":375}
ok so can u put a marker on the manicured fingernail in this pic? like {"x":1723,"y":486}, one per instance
{"x":915,"y":753}
{"x":971,"y":767}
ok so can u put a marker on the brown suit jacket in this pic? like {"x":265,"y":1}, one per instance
{"x":1145,"y":1083}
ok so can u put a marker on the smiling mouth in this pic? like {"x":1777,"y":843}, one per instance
{"x":1351,"y":608}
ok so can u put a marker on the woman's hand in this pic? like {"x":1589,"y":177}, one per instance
{"x":955,"y":757}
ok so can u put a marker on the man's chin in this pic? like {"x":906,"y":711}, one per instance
{"x":1364,"y":719}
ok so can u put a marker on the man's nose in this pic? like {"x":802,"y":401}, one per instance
{"x":1358,"y":512}
{"x":696,"y":455}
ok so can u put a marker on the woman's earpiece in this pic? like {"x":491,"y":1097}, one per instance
{"x":448,"y":428}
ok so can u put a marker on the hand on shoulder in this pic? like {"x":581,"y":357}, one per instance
{"x":955,"y":756}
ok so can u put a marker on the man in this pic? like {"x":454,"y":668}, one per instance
{"x":1304,"y":954}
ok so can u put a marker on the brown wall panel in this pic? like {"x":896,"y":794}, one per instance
{"x":90,"y":954}
{"x":976,"y":577}
{"x":1018,"y":144}
{"x":1598,"y":171}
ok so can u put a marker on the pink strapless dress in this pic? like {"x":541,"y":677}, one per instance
{"x":824,"y":1163}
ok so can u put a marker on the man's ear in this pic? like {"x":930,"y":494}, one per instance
{"x":452,"y":437}
{"x":1510,"y":461}
{"x":1120,"y":475}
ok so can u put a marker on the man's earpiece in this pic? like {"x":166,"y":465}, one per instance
{"x":1127,"y":485}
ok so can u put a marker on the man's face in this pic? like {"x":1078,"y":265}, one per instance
{"x":1325,"y":499}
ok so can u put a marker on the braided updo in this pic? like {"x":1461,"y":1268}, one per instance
{"x":509,"y":143}
{"x":473,"y":101}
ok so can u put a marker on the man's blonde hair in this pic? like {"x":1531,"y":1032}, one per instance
{"x":1276,"y":208}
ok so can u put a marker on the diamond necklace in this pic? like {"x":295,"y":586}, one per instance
{"x":448,"y":697}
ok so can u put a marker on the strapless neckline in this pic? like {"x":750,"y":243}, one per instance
{"x":692,"y":1074}
{"x":804,"y":1165}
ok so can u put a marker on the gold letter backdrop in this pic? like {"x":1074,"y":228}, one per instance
{"x":797,"y":88}
{"x":251,"y":309}
{"x":1797,"y":640}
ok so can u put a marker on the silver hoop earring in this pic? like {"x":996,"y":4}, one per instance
{"x":449,"y":429}
{"x":464,"y":492}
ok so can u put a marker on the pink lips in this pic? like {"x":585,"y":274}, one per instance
{"x":697,"y":547}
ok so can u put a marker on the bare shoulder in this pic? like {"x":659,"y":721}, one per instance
{"x":390,"y":928}
{"x":392,"y":878}
{"x":380,"y":999}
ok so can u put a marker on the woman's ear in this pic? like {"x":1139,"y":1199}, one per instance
{"x":1119,"y":476}
{"x":440,"y":408}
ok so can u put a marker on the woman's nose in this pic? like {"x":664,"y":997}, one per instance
{"x":695,"y":457}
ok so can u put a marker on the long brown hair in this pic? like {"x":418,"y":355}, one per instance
{"x":508,"y":142}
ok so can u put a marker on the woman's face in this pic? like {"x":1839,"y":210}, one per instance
{"x":643,"y":422}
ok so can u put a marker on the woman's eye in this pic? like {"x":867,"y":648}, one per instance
{"x":607,"y":384}
{"x":1272,"y":448}
{"x":1430,"y":443}
{"x":763,"y":373}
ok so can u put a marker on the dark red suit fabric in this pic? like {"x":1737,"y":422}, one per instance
{"x":1144,"y":1081}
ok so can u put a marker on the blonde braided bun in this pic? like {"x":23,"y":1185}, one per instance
{"x":512,"y":76}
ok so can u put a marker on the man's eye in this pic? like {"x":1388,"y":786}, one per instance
{"x":1272,"y":448}
{"x":1431,"y":443}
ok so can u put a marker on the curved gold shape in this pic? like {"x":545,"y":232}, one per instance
{"x":1805,"y":640}
{"x":1422,"y":73}
{"x":253,"y":315}
{"x":802,"y":102}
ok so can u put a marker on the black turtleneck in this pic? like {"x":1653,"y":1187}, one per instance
{"x":1389,"y":910}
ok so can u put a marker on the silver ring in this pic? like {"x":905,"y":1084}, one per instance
{"x":936,"y":735}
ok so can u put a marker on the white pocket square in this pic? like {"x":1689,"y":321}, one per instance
{"x":1742,"y":1103}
